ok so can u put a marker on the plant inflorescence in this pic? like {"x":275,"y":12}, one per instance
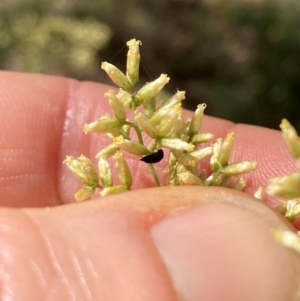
{"x":163,"y":122}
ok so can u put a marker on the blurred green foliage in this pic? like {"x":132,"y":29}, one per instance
{"x":241,"y":57}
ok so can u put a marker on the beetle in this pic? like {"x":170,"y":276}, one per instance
{"x":154,"y":157}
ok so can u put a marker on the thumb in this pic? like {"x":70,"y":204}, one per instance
{"x":167,"y":244}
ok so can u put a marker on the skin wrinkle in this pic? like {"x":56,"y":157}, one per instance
{"x":52,"y":257}
{"x":134,"y":223}
{"x":81,"y":276}
{"x":40,"y":277}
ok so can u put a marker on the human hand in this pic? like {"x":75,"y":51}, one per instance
{"x":170,"y":243}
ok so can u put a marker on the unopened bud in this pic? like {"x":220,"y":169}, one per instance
{"x":258,"y":193}
{"x":171,"y":124}
{"x":286,"y":186}
{"x":288,"y":239}
{"x":214,"y":160}
{"x":103,"y":125}
{"x":188,"y":160}
{"x":123,"y":170}
{"x":187,"y":178}
{"x":292,"y":209}
{"x":133,"y":61}
{"x":291,"y":138}
{"x":202,"y":138}
{"x":125,"y":97}
{"x":113,"y":190}
{"x":105,"y":173}
{"x":239,"y":184}
{"x":177,"y":144}
{"x":108,"y":151}
{"x":131,"y":147}
{"x":160,"y":113}
{"x":116,"y":106}
{"x":202,"y":153}
{"x":150,"y":89}
{"x":83,"y":169}
{"x":84,"y":193}
{"x":196,"y":121}
{"x":145,"y":125}
{"x":149,"y":106}
{"x":226,"y":148}
{"x":240,"y":168}
{"x":117,"y":76}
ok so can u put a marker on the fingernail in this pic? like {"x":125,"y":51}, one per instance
{"x":224,"y":250}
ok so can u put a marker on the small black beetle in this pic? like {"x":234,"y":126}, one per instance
{"x":154,"y":157}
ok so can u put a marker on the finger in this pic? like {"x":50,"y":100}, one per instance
{"x":156,"y":244}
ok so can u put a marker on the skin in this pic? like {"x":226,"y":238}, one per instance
{"x":183,"y":243}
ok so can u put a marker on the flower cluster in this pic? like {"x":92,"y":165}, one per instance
{"x":164,"y":124}
{"x":288,"y":186}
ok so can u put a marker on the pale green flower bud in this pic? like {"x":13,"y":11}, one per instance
{"x":288,"y":239}
{"x":240,"y":168}
{"x":177,"y":144}
{"x":123,"y":170}
{"x":170,"y":125}
{"x":161,"y":112}
{"x":226,"y":148}
{"x":145,"y":125}
{"x":131,"y":147}
{"x":84,"y":193}
{"x":187,"y":178}
{"x":172,"y":159}
{"x":286,"y":186}
{"x":149,"y":106}
{"x":188,"y":160}
{"x":214,"y":160}
{"x":202,"y":153}
{"x":209,"y":180}
{"x":182,"y":129}
{"x":291,"y":209}
{"x":239,"y":184}
{"x":116,"y":106}
{"x":83,"y":169}
{"x":117,"y":76}
{"x":291,"y":138}
{"x":196,"y":121}
{"x":108,"y":151}
{"x":113,"y":190}
{"x":259,"y":193}
{"x":105,"y":173}
{"x":125,"y":97}
{"x":202,"y":138}
{"x":126,"y":131}
{"x":151,"y":89}
{"x":103,"y":125}
{"x":133,"y":61}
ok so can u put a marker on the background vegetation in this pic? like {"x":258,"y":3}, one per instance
{"x":241,"y":57}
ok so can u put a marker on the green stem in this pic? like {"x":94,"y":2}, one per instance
{"x":137,"y":130}
{"x":153,"y":146}
{"x":152,"y":169}
{"x":154,"y":174}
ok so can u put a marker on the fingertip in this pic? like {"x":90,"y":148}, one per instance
{"x":225,"y":250}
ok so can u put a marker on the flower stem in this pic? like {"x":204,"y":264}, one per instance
{"x":137,"y":130}
{"x":154,"y":174}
